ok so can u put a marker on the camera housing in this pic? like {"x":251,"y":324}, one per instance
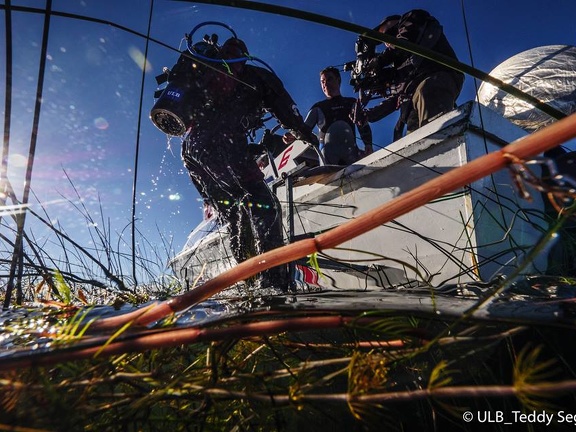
{"x":369,"y":74}
{"x":171,"y":113}
{"x":174,"y":109}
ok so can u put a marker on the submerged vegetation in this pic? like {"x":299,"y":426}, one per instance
{"x":333,"y":361}
{"x":286,"y":370}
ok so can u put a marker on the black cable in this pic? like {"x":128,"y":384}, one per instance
{"x":90,"y":19}
{"x":137,"y":150}
{"x":480,"y":116}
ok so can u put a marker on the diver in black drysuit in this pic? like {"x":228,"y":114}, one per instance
{"x":215,"y":152}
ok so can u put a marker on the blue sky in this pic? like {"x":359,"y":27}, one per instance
{"x":90,"y":127}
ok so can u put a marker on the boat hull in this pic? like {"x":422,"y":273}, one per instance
{"x":472,"y":234}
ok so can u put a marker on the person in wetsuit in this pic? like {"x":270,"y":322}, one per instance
{"x":230,"y":104}
{"x":336,"y":130}
{"x":423,"y":88}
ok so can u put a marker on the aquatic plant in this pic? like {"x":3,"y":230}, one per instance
{"x":296,"y":371}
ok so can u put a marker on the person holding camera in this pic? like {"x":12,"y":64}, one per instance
{"x":422,"y":89}
{"x":337,"y":137}
{"x":229,"y":101}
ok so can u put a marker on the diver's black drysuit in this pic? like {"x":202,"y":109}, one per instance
{"x":215,"y":152}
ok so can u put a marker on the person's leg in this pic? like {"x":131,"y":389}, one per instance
{"x":210,"y":172}
{"x":436,"y":95}
{"x":230,"y":177}
{"x":262,"y":215}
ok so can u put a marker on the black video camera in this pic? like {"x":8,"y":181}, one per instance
{"x":368,"y":73}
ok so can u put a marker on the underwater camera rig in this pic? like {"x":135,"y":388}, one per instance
{"x":182,"y":91}
{"x":369,"y":74}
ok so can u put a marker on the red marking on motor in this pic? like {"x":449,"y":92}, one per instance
{"x":285,"y":157}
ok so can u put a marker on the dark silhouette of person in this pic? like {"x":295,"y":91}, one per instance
{"x":423,"y":89}
{"x":230,"y":99}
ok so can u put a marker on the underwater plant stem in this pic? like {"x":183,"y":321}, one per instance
{"x":523,"y":148}
{"x":150,"y":339}
{"x":501,"y":391}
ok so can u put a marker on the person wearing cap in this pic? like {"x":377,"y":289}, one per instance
{"x":424,"y":89}
{"x":231,"y":99}
{"x":336,"y":130}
